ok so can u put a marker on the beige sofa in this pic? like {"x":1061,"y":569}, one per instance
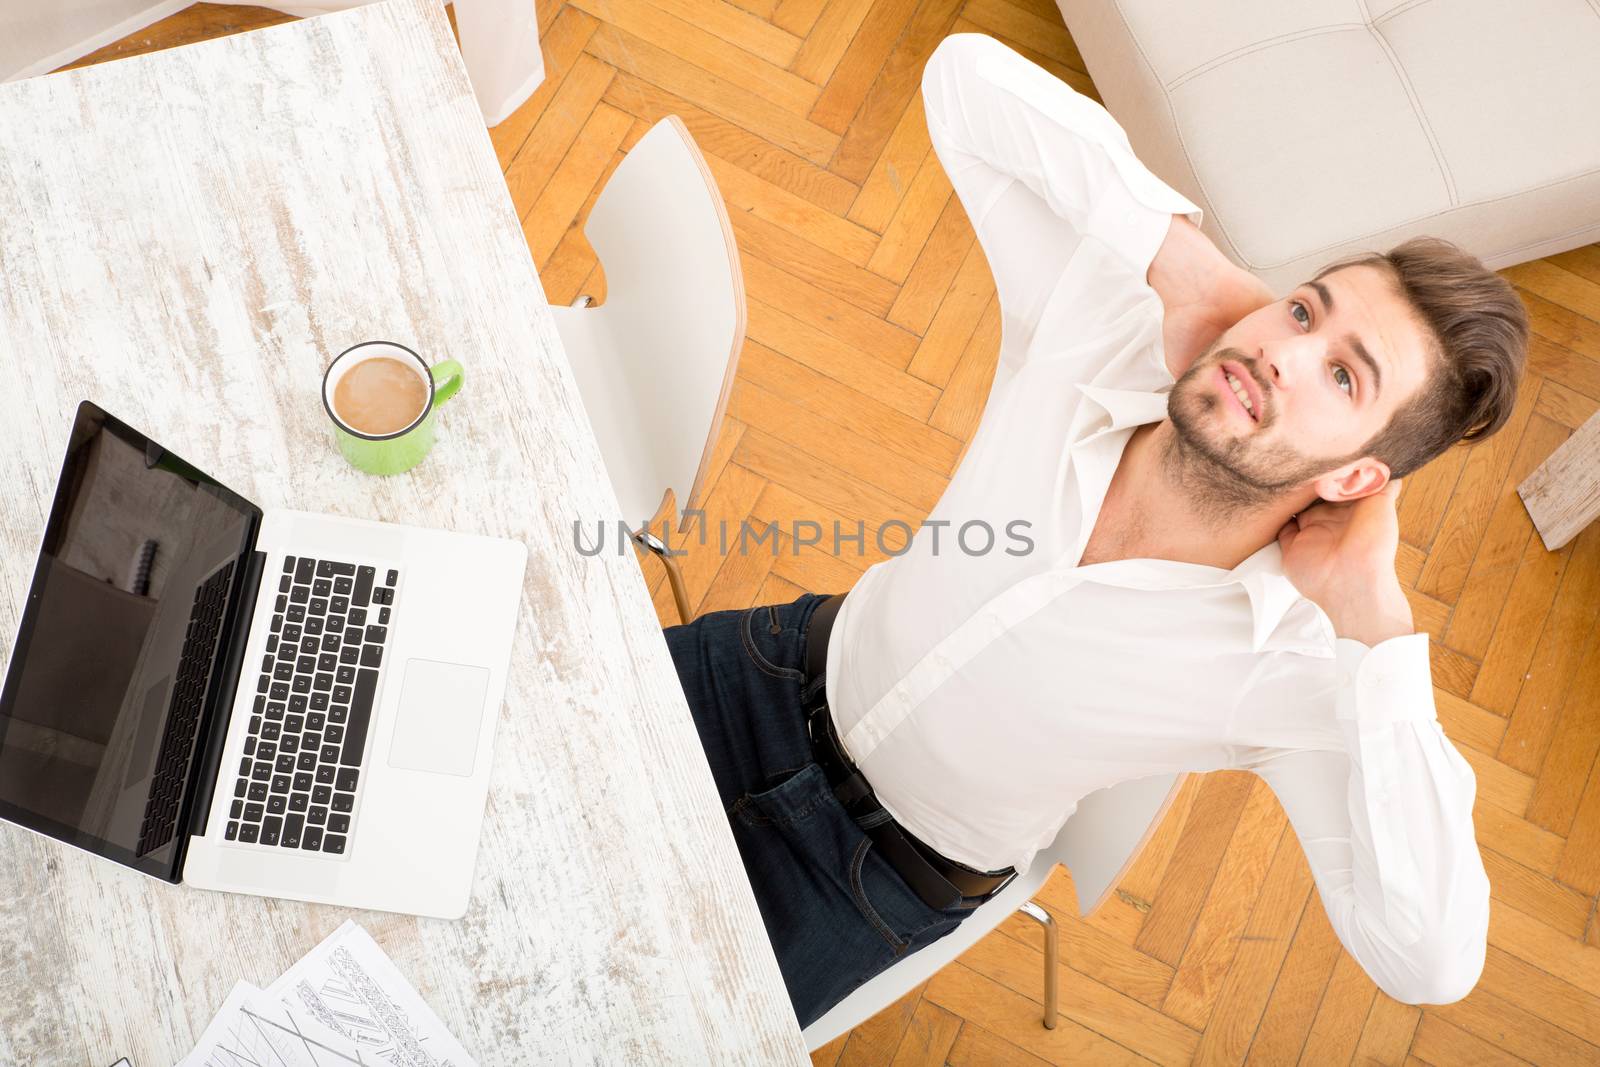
{"x":1311,"y":129}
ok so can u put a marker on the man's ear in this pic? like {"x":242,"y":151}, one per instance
{"x":1353,"y":481}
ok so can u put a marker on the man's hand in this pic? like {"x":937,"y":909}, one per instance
{"x":1202,"y":293}
{"x":1342,"y":557}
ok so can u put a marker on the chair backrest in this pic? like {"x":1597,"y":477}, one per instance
{"x":655,"y":362}
{"x":1102,"y":839}
{"x":1107,"y":833}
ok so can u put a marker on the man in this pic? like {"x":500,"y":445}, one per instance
{"x":1208,"y":477}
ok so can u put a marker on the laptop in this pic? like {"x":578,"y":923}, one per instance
{"x":269,"y":702}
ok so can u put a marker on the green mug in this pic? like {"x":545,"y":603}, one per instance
{"x":389,"y":453}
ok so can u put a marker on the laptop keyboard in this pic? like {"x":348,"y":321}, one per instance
{"x":301,"y":770}
{"x":183,"y":714}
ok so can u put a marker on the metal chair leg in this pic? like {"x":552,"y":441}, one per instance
{"x":680,"y":595}
{"x":1052,"y":951}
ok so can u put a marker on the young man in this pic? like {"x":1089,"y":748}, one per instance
{"x":1208,"y":480}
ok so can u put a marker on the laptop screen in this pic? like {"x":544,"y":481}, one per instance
{"x":118,"y":645}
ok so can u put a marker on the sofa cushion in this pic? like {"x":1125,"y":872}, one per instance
{"x":1310,"y":129}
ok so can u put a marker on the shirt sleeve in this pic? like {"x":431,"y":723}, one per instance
{"x":1039,"y":169}
{"x":1386,"y":825}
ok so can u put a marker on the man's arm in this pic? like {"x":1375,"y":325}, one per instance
{"x":1202,"y":293}
{"x":1039,"y":169}
{"x":1386,"y":826}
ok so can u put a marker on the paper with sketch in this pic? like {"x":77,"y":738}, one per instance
{"x":252,"y":1029}
{"x":348,"y":986}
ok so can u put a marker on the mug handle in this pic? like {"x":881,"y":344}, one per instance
{"x":447,"y":378}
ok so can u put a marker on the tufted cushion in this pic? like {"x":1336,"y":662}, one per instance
{"x":1312,"y":129}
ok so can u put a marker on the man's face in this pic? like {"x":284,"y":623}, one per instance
{"x":1324,"y":370}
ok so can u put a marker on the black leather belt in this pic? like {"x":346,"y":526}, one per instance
{"x":924,"y":870}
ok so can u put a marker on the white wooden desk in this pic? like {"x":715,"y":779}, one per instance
{"x":186,"y":238}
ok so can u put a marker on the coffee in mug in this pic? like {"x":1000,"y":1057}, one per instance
{"x":380,"y":395}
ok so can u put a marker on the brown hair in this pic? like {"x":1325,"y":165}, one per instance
{"x":1478,"y":342}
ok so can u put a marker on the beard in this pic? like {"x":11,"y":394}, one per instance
{"x":1227,"y":472}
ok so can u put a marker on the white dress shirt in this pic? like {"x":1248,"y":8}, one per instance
{"x":983,"y":695}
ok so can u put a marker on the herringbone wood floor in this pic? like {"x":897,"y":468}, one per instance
{"x":872,"y":339}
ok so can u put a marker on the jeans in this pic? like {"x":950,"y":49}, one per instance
{"x":835,"y":911}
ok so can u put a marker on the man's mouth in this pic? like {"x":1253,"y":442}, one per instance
{"x":1241,"y":393}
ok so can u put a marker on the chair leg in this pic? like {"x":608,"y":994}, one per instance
{"x":680,"y":595}
{"x":1052,"y":951}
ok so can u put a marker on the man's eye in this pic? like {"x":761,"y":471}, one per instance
{"x":1295,"y":305}
{"x":1338,"y":370}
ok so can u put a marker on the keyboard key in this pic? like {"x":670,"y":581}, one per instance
{"x":345,"y":569}
{"x":276,"y":804}
{"x":267,"y":663}
{"x":355,"y":740}
{"x":338,"y":713}
{"x":312,"y":740}
{"x":302,"y":782}
{"x":261,"y":772}
{"x":245,"y":765}
{"x":299,"y":594}
{"x":319,"y":701}
{"x":279,"y":691}
{"x":371,"y":656}
{"x":262,"y":683}
{"x":280,"y":783}
{"x":289,"y":743}
{"x":335,"y":630}
{"x":308,"y":761}
{"x":341,"y":694}
{"x":350,"y":655}
{"x":303,"y":570}
{"x":240,"y":786}
{"x":376,"y":635}
{"x":272,"y":643}
{"x":311,"y":841}
{"x":301,"y":684}
{"x":236,"y":810}
{"x":333,"y":735}
{"x":306,"y":664}
{"x":363,"y":590}
{"x":248,"y":832}
{"x":344,"y":676}
{"x":295,"y":613}
{"x":275,"y":711}
{"x":271,"y":827}
{"x":233,"y":832}
{"x":323,"y":683}
{"x":297,"y":706}
{"x":322,"y":587}
{"x":347,"y":779}
{"x":285,"y":764}
{"x":328,"y":662}
{"x":356,"y":617}
{"x":393,"y":576}
{"x":299,"y":801}
{"x":255,"y":726}
{"x":338,"y":824}
{"x":321,"y":794}
{"x":325,"y":774}
{"x":284,"y":583}
{"x":282,"y":603}
{"x":342,"y":586}
{"x":338,"y":605}
{"x":268,"y":750}
{"x":314,"y":625}
{"x":318,"y":607}
{"x":330,"y":754}
{"x":345,"y":802}
{"x":325,"y":568}
{"x":383,"y":615}
{"x":291,"y":831}
{"x":316,"y":721}
{"x":318,"y":815}
{"x":258,"y":791}
{"x":291,"y":632}
{"x":254,"y":812}
{"x":310,"y":645}
{"x":270,"y":732}
{"x":333,"y":844}
{"x":288,"y":564}
{"x":250,"y":748}
{"x":283,"y":672}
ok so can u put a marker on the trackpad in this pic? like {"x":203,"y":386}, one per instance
{"x":441,"y":708}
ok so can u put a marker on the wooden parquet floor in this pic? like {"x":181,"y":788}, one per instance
{"x":872,"y":338}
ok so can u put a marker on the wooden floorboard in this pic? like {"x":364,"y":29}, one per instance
{"x":873,"y":333}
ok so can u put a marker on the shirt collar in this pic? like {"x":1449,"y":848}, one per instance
{"x":1271,"y":593}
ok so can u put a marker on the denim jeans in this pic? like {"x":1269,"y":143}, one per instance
{"x":835,"y":911}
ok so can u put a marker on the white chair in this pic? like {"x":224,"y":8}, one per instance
{"x":655,"y":363}
{"x":1097,"y":844}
